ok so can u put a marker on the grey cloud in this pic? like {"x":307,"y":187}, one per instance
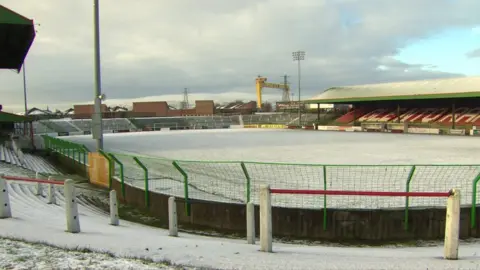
{"x":215,"y":46}
{"x":474,"y":53}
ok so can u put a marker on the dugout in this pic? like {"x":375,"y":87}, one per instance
{"x":452,"y":96}
{"x":12,"y":124}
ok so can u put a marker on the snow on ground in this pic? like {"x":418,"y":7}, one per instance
{"x":226,"y":182}
{"x":15,"y":254}
{"x":136,"y":240}
{"x":297,"y":146}
{"x":36,"y":221}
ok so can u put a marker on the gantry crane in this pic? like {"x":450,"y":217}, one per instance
{"x":261,"y":82}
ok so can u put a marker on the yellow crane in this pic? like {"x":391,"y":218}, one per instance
{"x":261,"y":82}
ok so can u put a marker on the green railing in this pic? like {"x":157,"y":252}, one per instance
{"x":78,"y":153}
{"x":111,"y":161}
{"x":240,"y":181}
{"x":145,"y":180}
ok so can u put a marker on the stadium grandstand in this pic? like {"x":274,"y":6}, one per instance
{"x":445,"y":104}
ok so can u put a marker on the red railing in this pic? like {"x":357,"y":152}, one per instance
{"x":360,"y":193}
{"x":33,"y":180}
{"x":452,"y":220}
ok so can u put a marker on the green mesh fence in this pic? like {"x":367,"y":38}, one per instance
{"x":163,"y":177}
{"x":239,"y":182}
{"x":76,"y":152}
{"x":216,"y":181}
{"x":441,"y":178}
{"x":288,"y":176}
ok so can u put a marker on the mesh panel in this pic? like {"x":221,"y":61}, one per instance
{"x":227,"y":182}
{"x":218,"y":181}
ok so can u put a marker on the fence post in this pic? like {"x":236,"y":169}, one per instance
{"x":68,"y":145}
{"x":407,"y":199}
{"x":74,"y":147}
{"x":56,"y":146}
{"x":172,"y":217}
{"x":250,"y":223}
{"x":51,"y":192}
{"x":145,"y":170}
{"x":39,"y":185}
{"x":45,"y":142}
{"x":113,"y":208}
{"x":122,"y":178}
{"x":452,"y":226}
{"x":185,"y":186}
{"x":85,"y":154}
{"x":51,"y":144}
{"x":265,"y":219}
{"x":473,"y":210}
{"x":62,"y":147}
{"x":79,"y":159}
{"x":110,"y":167}
{"x":5,"y":210}
{"x":71,"y":207}
{"x":325,"y":217}
{"x":248,"y":183}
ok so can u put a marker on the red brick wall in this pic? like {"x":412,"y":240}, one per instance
{"x":204,"y":107}
{"x":160,"y":108}
{"x":86,"y":110}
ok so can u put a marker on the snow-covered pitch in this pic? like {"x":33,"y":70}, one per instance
{"x":225,"y":181}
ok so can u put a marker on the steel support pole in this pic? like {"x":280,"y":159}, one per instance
{"x":97,"y":115}
{"x":299,"y":95}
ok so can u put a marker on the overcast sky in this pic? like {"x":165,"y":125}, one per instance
{"x":216,"y":48}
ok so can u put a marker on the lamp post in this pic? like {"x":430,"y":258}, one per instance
{"x":24,"y":88}
{"x":25,"y":97}
{"x":299,"y":56}
{"x":97,"y":131}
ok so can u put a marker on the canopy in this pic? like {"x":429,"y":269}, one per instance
{"x":16,"y":36}
{"x":13,"y":118}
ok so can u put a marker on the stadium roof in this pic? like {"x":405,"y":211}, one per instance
{"x":463,"y":87}
{"x":13,"y":118}
{"x":16,"y":36}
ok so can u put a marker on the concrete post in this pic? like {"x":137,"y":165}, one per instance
{"x":452,"y":226}
{"x":250,"y":223}
{"x":113,"y":208}
{"x":39,"y":185}
{"x":71,"y":207}
{"x":5,"y":210}
{"x":51,"y":192}
{"x":265,"y":219}
{"x":172,"y":217}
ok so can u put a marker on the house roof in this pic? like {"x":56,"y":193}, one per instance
{"x":462,"y":87}
{"x":37,"y":111}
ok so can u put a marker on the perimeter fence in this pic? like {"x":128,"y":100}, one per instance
{"x":76,"y":152}
{"x":240,"y":181}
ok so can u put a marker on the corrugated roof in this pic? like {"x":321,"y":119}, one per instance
{"x":424,"y":89}
{"x":13,"y":118}
{"x":16,"y":36}
{"x":9,"y":16}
